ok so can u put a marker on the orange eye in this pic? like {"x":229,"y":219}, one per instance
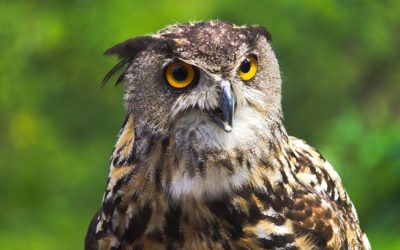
{"x":248,"y":68}
{"x":179,"y":75}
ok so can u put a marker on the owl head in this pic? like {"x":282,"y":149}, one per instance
{"x":212,"y":84}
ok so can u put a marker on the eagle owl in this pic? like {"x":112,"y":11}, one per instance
{"x":203,"y":160}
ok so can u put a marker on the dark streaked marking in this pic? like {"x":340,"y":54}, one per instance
{"x":120,"y":182}
{"x":266,"y":163}
{"x":192,"y":158}
{"x":107,"y":190}
{"x":275,"y":241}
{"x":168,"y":178}
{"x":227,"y":163}
{"x":150,"y":144}
{"x":313,"y":170}
{"x":215,"y":234}
{"x":328,"y":232}
{"x":277,"y":219}
{"x":133,"y":158}
{"x":138,"y":223}
{"x":276,"y":204}
{"x":308,"y":212}
{"x":172,"y":227}
{"x":239,"y":157}
{"x":191,"y":162}
{"x":176,"y":160}
{"x":100,"y":234}
{"x":201,"y":166}
{"x":160,"y":164}
{"x":332,"y":195}
{"x":284,"y":176}
{"x":107,"y":225}
{"x":308,"y":153}
{"x":294,"y":175}
{"x":263,"y":197}
{"x":287,"y":202}
{"x":91,"y":237}
{"x":164,"y":145}
{"x":108,"y":207}
{"x":254,"y":213}
{"x":245,"y":192}
{"x":157,"y":174}
{"x":268,"y":185}
{"x":117,"y":200}
{"x":227,"y":211}
{"x":303,"y":160}
{"x":139,"y":147}
{"x":135,"y":196}
{"x":122,"y":147}
{"x":248,"y":164}
{"x":115,"y":161}
{"x":122,"y":207}
{"x":330,"y":184}
{"x":317,"y":237}
{"x":320,"y":156}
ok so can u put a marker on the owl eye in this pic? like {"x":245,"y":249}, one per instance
{"x":248,"y":68}
{"x":180,"y":75}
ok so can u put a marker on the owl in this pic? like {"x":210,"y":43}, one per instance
{"x":203,"y":160}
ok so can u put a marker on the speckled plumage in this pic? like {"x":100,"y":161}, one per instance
{"x":178,"y":181}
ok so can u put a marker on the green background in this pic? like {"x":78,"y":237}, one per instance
{"x":341,"y":76}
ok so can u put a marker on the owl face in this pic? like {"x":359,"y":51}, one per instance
{"x":212,"y":84}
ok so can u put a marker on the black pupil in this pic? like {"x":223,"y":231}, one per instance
{"x":179,"y":73}
{"x":245,"y":66}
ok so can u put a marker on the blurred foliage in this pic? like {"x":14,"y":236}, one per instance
{"x":341,"y":74}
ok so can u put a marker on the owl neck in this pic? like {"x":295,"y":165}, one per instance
{"x":160,"y":163}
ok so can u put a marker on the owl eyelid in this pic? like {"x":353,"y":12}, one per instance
{"x":247,"y":55}
{"x":250,"y":54}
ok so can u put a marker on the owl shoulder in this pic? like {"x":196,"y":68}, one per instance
{"x":314,"y":171}
{"x":332,"y":217}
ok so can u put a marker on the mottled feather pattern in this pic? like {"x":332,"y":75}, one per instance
{"x":179,"y":179}
{"x":294,"y":202}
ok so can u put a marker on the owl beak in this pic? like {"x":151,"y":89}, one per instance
{"x":224,"y":116}
{"x":227,"y":105}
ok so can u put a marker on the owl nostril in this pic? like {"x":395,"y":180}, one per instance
{"x":218,"y":111}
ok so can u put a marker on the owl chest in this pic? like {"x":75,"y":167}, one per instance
{"x":238,"y":222}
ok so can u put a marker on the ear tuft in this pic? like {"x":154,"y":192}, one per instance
{"x":131,"y":47}
{"x":127,"y":51}
{"x":120,"y":66}
{"x":260,"y":30}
